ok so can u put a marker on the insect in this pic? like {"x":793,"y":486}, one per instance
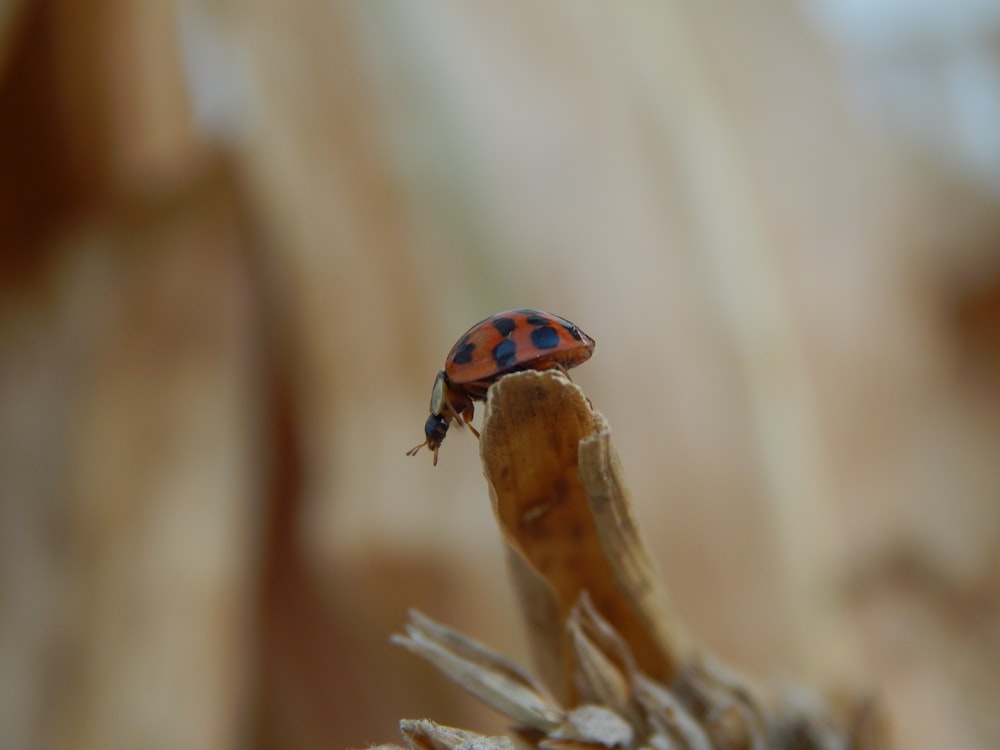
{"x":503,"y":343}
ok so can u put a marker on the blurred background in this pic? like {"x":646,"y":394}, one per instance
{"x":238,"y":239}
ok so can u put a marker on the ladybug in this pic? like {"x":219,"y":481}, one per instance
{"x":503,"y":343}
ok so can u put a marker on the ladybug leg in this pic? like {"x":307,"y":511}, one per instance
{"x":467,"y":416}
{"x":455,"y":414}
{"x":465,"y":419}
{"x":552,"y":366}
{"x":461,"y":409}
{"x":557,"y":366}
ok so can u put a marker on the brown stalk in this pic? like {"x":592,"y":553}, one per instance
{"x":562,"y":505}
{"x":617,"y":668}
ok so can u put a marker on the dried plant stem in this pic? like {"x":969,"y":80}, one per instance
{"x":561,"y":503}
{"x":617,"y":669}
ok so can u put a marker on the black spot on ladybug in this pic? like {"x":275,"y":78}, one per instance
{"x":504,"y":325}
{"x":463,"y":352}
{"x":536,"y":320}
{"x":573,"y":331}
{"x":504,"y":353}
{"x":545,"y":337}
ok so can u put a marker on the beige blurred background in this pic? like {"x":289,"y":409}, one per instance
{"x":238,"y":239}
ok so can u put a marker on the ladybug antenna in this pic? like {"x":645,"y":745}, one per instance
{"x":416,"y":449}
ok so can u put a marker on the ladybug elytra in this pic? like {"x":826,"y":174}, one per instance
{"x":502,"y":343}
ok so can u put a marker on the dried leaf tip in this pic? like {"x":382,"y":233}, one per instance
{"x":563,"y":507}
{"x":606,"y":642}
{"x":492,"y":678}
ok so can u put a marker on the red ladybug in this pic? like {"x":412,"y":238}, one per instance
{"x":503,"y":343}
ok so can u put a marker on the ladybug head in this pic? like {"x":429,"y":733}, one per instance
{"x":435,"y":428}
